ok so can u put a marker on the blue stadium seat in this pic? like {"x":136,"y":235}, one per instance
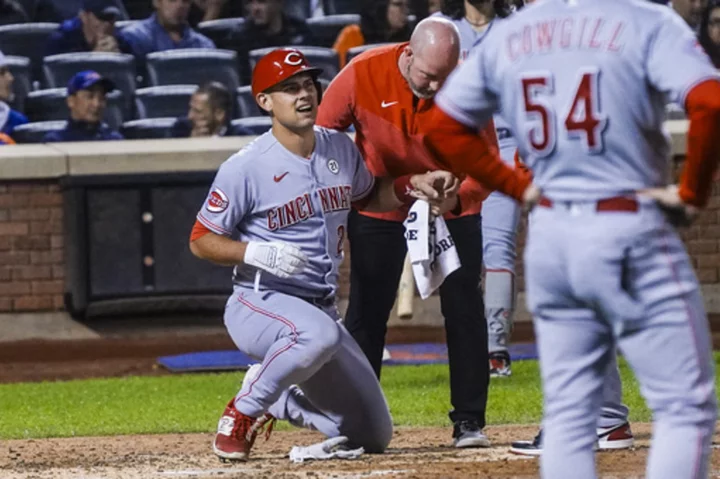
{"x":299,"y":9}
{"x":325,"y":58}
{"x":222,"y":31}
{"x":51,"y":104}
{"x":148,"y":128}
{"x":27,"y":40}
{"x":326,"y":29}
{"x":339,"y":7}
{"x":35,"y":132}
{"x":20,"y":69}
{"x":193,"y":66}
{"x":245,"y":103}
{"x":256,"y":124}
{"x":353,"y":52}
{"x":163,"y":101}
{"x":118,"y":67}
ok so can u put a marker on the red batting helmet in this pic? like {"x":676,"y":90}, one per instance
{"x":279,"y":65}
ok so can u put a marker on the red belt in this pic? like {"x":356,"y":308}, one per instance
{"x":616,"y":203}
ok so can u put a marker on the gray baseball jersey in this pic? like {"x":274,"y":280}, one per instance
{"x":266,"y":193}
{"x":589,"y":102}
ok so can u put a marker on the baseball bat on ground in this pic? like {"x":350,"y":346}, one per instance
{"x":406,"y":291}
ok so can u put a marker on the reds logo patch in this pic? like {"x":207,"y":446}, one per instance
{"x":218,"y":201}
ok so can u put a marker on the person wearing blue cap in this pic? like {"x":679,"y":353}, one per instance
{"x":9,"y":118}
{"x":92,"y":30}
{"x":166,"y":29}
{"x":86,"y":101}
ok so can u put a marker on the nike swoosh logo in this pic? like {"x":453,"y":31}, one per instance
{"x":385,"y":105}
{"x":278,"y":179}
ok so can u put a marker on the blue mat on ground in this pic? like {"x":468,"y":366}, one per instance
{"x":401,"y":354}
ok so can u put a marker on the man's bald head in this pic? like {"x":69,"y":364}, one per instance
{"x":432,"y":54}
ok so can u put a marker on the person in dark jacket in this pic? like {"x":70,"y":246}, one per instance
{"x":86,"y":101}
{"x":209,"y":114}
{"x":92,"y":30}
{"x":9,"y":118}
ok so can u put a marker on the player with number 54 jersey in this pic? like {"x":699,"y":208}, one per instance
{"x":583,"y":84}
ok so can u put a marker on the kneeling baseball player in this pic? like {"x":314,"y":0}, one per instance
{"x":277,"y":211}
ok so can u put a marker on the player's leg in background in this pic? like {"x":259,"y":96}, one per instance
{"x":343,"y":398}
{"x":377,"y":253}
{"x":670,"y":351}
{"x":574,"y":348}
{"x":466,"y":330}
{"x":614,"y":412}
{"x":500,"y":218}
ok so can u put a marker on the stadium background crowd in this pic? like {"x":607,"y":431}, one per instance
{"x":82,"y":70}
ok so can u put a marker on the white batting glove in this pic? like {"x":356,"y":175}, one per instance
{"x":333,"y":448}
{"x":281,"y":259}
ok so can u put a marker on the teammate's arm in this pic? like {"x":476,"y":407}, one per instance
{"x":338,"y":101}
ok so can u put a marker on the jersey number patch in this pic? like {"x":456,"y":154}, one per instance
{"x":583,"y":119}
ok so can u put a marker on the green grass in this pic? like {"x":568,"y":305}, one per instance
{"x":418,"y":396}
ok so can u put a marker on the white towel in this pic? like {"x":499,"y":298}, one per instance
{"x":432,"y":250}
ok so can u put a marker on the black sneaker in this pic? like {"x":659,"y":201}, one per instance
{"x":528,"y":448}
{"x":469,"y":434}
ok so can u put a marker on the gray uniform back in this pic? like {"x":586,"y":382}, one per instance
{"x":266,"y":193}
{"x":583,"y":84}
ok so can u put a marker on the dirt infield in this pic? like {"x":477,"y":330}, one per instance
{"x":413,"y":453}
{"x":420,"y":452}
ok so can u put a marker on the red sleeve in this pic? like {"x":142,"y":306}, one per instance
{"x":462,"y":150}
{"x":338,"y":101}
{"x":198,"y":231}
{"x":703,"y":142}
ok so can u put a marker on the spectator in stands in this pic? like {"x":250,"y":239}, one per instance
{"x":710,"y":32}
{"x":12,"y":12}
{"x":61,"y":10}
{"x":381,"y":21}
{"x":209,"y":113}
{"x":9,"y":118}
{"x":206,"y":10}
{"x":92,"y":30}
{"x":166,"y":29}
{"x":268,"y":26}
{"x":690,"y":10}
{"x":86,"y":102}
{"x":434,"y":6}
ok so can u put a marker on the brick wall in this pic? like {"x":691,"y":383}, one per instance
{"x":31,"y":247}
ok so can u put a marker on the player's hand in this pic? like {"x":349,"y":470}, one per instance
{"x":278,"y":258}
{"x":434,"y":185}
{"x":531,"y":196}
{"x":440,"y":207}
{"x":668,"y":198}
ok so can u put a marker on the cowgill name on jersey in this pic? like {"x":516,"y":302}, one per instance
{"x":332,"y":198}
{"x":565,"y":34}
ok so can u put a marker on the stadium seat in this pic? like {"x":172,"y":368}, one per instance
{"x":256,"y":124}
{"x":325,"y":58}
{"x":20,"y":69}
{"x":51,"y":104}
{"x":121,"y":24}
{"x":297,"y":8}
{"x":339,"y":7}
{"x":245,"y":103}
{"x":222,"y":31}
{"x":27,"y":40}
{"x":353,"y":52}
{"x":148,"y":128}
{"x":163,"y":101}
{"x":326,"y":29}
{"x":35,"y":132}
{"x":118,"y":67}
{"x":193,"y":66}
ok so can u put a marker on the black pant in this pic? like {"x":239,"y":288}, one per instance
{"x":377,"y":253}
